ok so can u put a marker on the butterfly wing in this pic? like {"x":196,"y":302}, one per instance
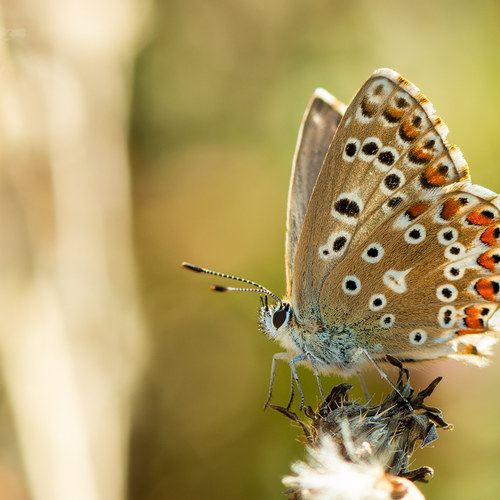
{"x":425,"y":286}
{"x":381,"y":266}
{"x":320,"y":121}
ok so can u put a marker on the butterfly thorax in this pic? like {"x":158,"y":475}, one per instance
{"x":335,"y":349}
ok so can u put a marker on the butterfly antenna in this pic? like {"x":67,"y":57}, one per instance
{"x":218,"y":288}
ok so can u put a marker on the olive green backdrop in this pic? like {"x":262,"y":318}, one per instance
{"x":219,"y":92}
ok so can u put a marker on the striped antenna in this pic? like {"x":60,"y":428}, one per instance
{"x":218,"y":288}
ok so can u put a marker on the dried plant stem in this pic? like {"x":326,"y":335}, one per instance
{"x":71,"y":337}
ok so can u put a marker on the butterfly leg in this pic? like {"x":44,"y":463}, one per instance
{"x":363,"y":385}
{"x":313,"y":359}
{"x":279,"y":355}
{"x":386,"y":378}
{"x":293,"y":368}
{"x":292,"y":390}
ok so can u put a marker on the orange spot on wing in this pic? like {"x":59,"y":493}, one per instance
{"x":474,"y":323}
{"x":395,"y":113}
{"x":473,"y":311}
{"x":418,"y":209}
{"x":409,"y":130}
{"x":489,"y":237}
{"x":487,"y":288}
{"x":450,"y":208}
{"x":468,"y":332}
{"x":422,"y":153}
{"x":487,"y":260}
{"x":469,"y":349}
{"x":479,"y":219}
{"x":433,"y":177}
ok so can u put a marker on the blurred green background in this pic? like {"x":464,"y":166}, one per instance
{"x":218,"y":95}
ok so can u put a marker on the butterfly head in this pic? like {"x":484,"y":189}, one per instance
{"x":275,"y":320}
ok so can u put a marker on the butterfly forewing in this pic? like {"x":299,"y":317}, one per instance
{"x":391,"y":208}
{"x":318,"y":127}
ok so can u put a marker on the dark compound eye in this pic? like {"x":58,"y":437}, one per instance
{"x":279,"y":317}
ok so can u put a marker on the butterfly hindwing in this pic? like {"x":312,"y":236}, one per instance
{"x":431,"y":280}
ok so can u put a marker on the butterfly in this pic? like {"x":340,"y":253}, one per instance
{"x":391,"y":251}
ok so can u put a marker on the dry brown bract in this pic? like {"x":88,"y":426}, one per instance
{"x":361,"y":451}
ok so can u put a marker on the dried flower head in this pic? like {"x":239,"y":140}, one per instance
{"x":361,"y":451}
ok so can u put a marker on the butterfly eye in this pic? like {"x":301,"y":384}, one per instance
{"x":279,"y":317}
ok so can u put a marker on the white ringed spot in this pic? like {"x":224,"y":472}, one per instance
{"x":379,"y":90}
{"x":369,"y":149}
{"x":447,"y":235}
{"x":371,"y":99}
{"x":392,"y":181}
{"x":347,"y":208}
{"x":335,"y":246}
{"x":446,"y":293}
{"x":396,"y":280}
{"x":387,"y":157}
{"x":377,"y":302}
{"x":387,"y":320}
{"x":351,"y":149}
{"x":373,"y":253}
{"x":418,"y":337}
{"x":351,"y":285}
{"x":392,"y":203}
{"x":454,"y":272}
{"x":415,"y":234}
{"x":447,"y":316}
{"x":454,"y":251}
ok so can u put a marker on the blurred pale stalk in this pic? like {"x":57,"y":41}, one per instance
{"x":71,"y":332}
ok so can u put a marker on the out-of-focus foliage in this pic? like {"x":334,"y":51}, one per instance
{"x":219,"y":91}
